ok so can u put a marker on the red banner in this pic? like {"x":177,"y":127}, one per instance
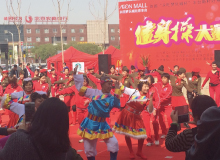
{"x":175,"y":32}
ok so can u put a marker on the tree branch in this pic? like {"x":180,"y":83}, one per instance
{"x":116,"y":7}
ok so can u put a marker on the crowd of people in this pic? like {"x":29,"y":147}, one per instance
{"x":89,"y":98}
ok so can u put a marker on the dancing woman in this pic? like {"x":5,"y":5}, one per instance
{"x":129,"y":122}
{"x":194,"y":81}
{"x":214,"y":83}
{"x":177,"y":83}
{"x":94,"y":126}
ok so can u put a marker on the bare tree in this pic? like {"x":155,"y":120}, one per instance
{"x":16,"y":13}
{"x":25,"y":26}
{"x":58,"y":9}
{"x":104,"y":9}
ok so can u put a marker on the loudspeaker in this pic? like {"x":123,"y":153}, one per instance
{"x":217,"y":57}
{"x":104,"y":63}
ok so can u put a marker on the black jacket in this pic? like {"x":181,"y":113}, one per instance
{"x":25,"y":72}
{"x":207,"y":139}
{"x":14,"y":72}
{"x":3,"y":131}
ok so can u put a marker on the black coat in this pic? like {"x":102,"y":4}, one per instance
{"x":207,"y":139}
{"x":3,"y":131}
{"x":14,"y":72}
{"x":25,"y":72}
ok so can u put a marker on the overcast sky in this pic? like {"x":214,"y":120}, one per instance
{"x":79,"y":15}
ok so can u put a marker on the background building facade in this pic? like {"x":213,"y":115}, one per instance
{"x":92,"y":32}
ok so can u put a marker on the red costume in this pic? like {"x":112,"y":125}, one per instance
{"x":38,"y":86}
{"x":31,"y":72}
{"x":1,"y":94}
{"x":165,"y":93}
{"x":1,"y":91}
{"x":69,"y":100}
{"x":20,"y":82}
{"x":147,"y":116}
{"x":214,"y":85}
{"x":82,"y":111}
{"x":62,"y":75}
{"x":94,"y":80}
{"x":130,"y":122}
{"x":13,"y":117}
{"x":54,"y":88}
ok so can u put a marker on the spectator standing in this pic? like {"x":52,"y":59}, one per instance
{"x":26,"y":72}
{"x":19,"y":68}
{"x":14,"y":71}
{"x":207,"y":141}
{"x":183,"y":141}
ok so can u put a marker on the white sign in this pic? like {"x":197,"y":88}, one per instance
{"x":81,"y":67}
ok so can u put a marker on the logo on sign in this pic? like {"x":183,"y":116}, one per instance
{"x":28,"y":19}
{"x":79,"y":66}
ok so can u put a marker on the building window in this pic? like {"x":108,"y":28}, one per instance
{"x":119,"y":38}
{"x":38,"y":39}
{"x":118,"y":30}
{"x":46,"y":39}
{"x":63,"y":30}
{"x":112,"y":30}
{"x":54,"y":30}
{"x":74,"y":38}
{"x":112,"y":38}
{"x":28,"y":30}
{"x":46,"y":30}
{"x":72,"y":30}
{"x":81,"y":38}
{"x":81,"y":30}
{"x":37,"y":30}
{"x":29,"y":39}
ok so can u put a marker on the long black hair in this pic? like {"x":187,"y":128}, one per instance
{"x":50,"y":126}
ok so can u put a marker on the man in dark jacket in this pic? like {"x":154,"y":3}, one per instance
{"x":19,"y":68}
{"x":26,"y":74}
{"x":14,"y":71}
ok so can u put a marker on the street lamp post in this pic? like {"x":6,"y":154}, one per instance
{"x":13,"y":43}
